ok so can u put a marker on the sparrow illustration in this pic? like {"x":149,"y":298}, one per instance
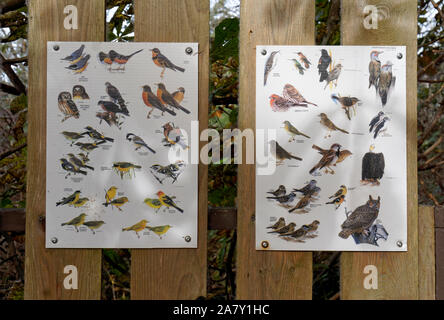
{"x":163,"y":62}
{"x":299,"y":233}
{"x":333,"y":75}
{"x":76,"y":222}
{"x":346,"y":103}
{"x":285,"y":199}
{"x":269,"y":65}
{"x":280,"y":153}
{"x":329,"y":125}
{"x":79,"y":92}
{"x":386,"y":82}
{"x":116,"y":97}
{"x":374,"y":69}
{"x":153,"y":102}
{"x":304,"y":60}
{"x":97,"y":136}
{"x":138,"y":142}
{"x":312,"y":227}
{"x":280,"y":191}
{"x":279,"y":224}
{"x":302,"y":203}
{"x":292,"y":131}
{"x":167,"y":201}
{"x":69,"y":200}
{"x":361,"y":219}
{"x":343,"y":154}
{"x":292,"y":94}
{"x":285,"y":229}
{"x":67,"y":106}
{"x":167,"y":99}
{"x":75,"y":56}
{"x":308,"y":188}
{"x":323,"y":64}
{"x":138,"y":227}
{"x":80,"y":65}
{"x":328,"y":159}
{"x":94,"y":225}
{"x":337,"y":201}
{"x":298,"y":66}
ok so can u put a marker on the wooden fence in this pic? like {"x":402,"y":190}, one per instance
{"x":182,"y":273}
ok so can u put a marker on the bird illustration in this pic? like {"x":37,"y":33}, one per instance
{"x":76,"y":55}
{"x":94,"y":225}
{"x":173,"y":170}
{"x":323,"y":64}
{"x":124,"y":168}
{"x":138,"y":227}
{"x":312,"y":227}
{"x":302,"y":203}
{"x":80,"y":65}
{"x":79,"y":163}
{"x":121,"y":59}
{"x":284,"y":199}
{"x":337,"y":201}
{"x":167,"y":99}
{"x":375,"y":120}
{"x":328,"y":159}
{"x":304,"y":60}
{"x":167,"y":201}
{"x":110,"y":194}
{"x":172,"y":136}
{"x":69,"y":200}
{"x":179,"y":94}
{"x":109,"y":117}
{"x":152,"y":101}
{"x":67,"y":106}
{"x":72,"y":136}
{"x":292,"y":94}
{"x":374,"y":69}
{"x":280,"y":104}
{"x":118,"y":202}
{"x":280,"y":191}
{"x":153,"y":203}
{"x":83,"y":157}
{"x":159,"y":230}
{"x":346,"y":103}
{"x":329,"y":125}
{"x":111,"y":107}
{"x":343,"y":154}
{"x":361,"y":218}
{"x":76,"y":222}
{"x":381,"y":127}
{"x":163,"y":62}
{"x":341,"y":192}
{"x":299,"y":233}
{"x":285,"y":229}
{"x":308,"y":188}
{"x":88,"y":147}
{"x":94,"y":134}
{"x":116,"y":97}
{"x":80,"y":203}
{"x":373,"y":165}
{"x":68,"y":166}
{"x":292,"y":131}
{"x":280,"y":153}
{"x":279,"y":224}
{"x":386,"y":82}
{"x":298,"y":66}
{"x":333,"y":75}
{"x":269,"y":65}
{"x":104,"y":58}
{"x":138,"y":142}
{"x":79,"y":92}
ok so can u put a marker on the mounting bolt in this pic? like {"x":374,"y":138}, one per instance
{"x":264,"y":52}
{"x":187,"y":238}
{"x":54,"y":240}
{"x":399,"y":55}
{"x":56,"y":47}
{"x":189,"y":50}
{"x":265,"y":244}
{"x":399,"y":243}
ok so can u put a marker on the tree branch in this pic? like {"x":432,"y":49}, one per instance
{"x":16,"y":60}
{"x":15,"y":80}
{"x":9,"y":89}
{"x":430,"y":81}
{"x":10,"y":152}
{"x":435,"y":121}
{"x":11,"y":5}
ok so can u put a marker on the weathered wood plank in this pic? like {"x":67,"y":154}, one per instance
{"x":439,"y":252}
{"x":426,"y":251}
{"x":398,"y":272}
{"x":44,"y":268}
{"x":12,"y":219}
{"x":260,"y":274}
{"x":176,"y":273}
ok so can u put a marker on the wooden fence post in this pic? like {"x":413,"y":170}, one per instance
{"x":261,"y":274}
{"x":426,"y":253}
{"x":439,"y":252}
{"x":44,"y":269}
{"x":176,"y":273}
{"x":398,"y":272}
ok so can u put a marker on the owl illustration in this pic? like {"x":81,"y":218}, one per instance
{"x":79,"y":92}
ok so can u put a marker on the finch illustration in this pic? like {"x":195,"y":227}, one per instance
{"x":298,"y":234}
{"x":298,"y":66}
{"x":167,"y":201}
{"x":138,"y":227}
{"x":80,"y":203}
{"x":280,"y":191}
{"x":346,"y":103}
{"x":374,"y":69}
{"x":328,"y":159}
{"x":292,"y":94}
{"x":79,"y":163}
{"x":94,"y":225}
{"x":138,"y":142}
{"x":269,"y":65}
{"x":279,"y":104}
{"x":67,"y":106}
{"x":116,"y":202}
{"x":76,"y":55}
{"x":279,"y":224}
{"x":153,"y":203}
{"x":280,"y":153}
{"x":69,"y":200}
{"x":110,"y":194}
{"x":304,"y":60}
{"x":167,"y":99}
{"x":284,"y":199}
{"x":323,"y":64}
{"x":76,"y":222}
{"x":292,"y":131}
{"x":153,"y":102}
{"x":163,"y":62}
{"x":386,"y":82}
{"x":159,"y":230}
{"x":341,"y":192}
{"x":329,"y":125}
{"x":302,"y":203}
{"x":333,"y":75}
{"x":79,"y":92}
{"x":286,"y":229}
{"x":308,"y":188}
{"x":80,"y":65}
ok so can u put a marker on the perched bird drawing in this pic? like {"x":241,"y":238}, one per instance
{"x":113,"y":108}
{"x":79,"y":163}
{"x":279,"y":224}
{"x":373,"y":166}
{"x":163,"y":62}
{"x":72,"y":136}
{"x":343,"y":154}
{"x":138,"y":227}
{"x":312,"y":227}
{"x":88,"y":147}
{"x":308,"y":188}
{"x":386,"y":82}
{"x":361,"y":219}
{"x":104,"y":58}
{"x":341,"y":192}
{"x":298,"y":66}
{"x":125,"y":168}
{"x":159,"y":230}
{"x":269,"y":65}
{"x":121,"y":59}
{"x":298,"y":234}
{"x":374,"y":69}
{"x":76,"y":222}
{"x":153,"y":102}
{"x":284,"y":199}
{"x":80,"y":65}
{"x":292,"y":94}
{"x":116,"y":97}
{"x":375,"y":120}
{"x":285,"y":229}
{"x":109,"y":117}
{"x":67,"y":106}
{"x":323,"y":64}
{"x":280,"y":104}
{"x":167,"y":99}
{"x":179,"y":94}
{"x":329,"y":125}
{"x":304,"y":60}
{"x":302,"y":203}
{"x":76,"y":55}
{"x":80,"y":203}
{"x":94,"y":134}
{"x":381,"y":127}
{"x":337,"y":201}
{"x":94,"y":225}
{"x":70,"y":168}
{"x":79,"y":92}
{"x":172,"y":170}
{"x":69,"y":200}
{"x":280,"y":153}
{"x":333,"y":75}
{"x":280,"y":191}
{"x":118,"y":202}
{"x":110,"y":194}
{"x":328,"y":159}
{"x":138,"y":142}
{"x":167,"y":201}
{"x":346,"y":103}
{"x":172,"y":136}
{"x":153,"y":203}
{"x":292,"y":131}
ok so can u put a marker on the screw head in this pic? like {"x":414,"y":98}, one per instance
{"x":56,"y":47}
{"x":265,"y":244}
{"x":189,"y":50}
{"x":264,"y":52}
{"x":399,"y":55}
{"x":54,"y":240}
{"x":187,"y":238}
{"x":399,"y":243}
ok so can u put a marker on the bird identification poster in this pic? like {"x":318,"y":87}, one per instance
{"x":331,"y":148}
{"x":119,"y":118}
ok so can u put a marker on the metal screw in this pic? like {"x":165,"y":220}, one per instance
{"x":56,"y":47}
{"x":54,"y":240}
{"x":399,"y":243}
{"x":399,"y":56}
{"x":189,"y":50}
{"x":265,"y":244}
{"x":187,"y":238}
{"x":264,"y":52}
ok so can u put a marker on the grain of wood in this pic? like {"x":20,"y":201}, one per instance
{"x":398,"y":272}
{"x":426,"y":251}
{"x":271,"y":274}
{"x":439,"y":252}
{"x":176,"y":273}
{"x":44,"y":267}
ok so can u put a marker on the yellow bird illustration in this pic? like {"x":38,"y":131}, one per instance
{"x":124,"y":168}
{"x":159,"y":230}
{"x":110,"y":194}
{"x":80,"y":203}
{"x":168,"y":201}
{"x":138,"y":227}
{"x":76,"y":222}
{"x":93,"y":225}
{"x":153,"y":203}
{"x":116,"y":202}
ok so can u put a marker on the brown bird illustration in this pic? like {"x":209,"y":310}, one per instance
{"x":312,"y":227}
{"x":304,"y":60}
{"x":79,"y":92}
{"x":361,"y":218}
{"x":386,"y":82}
{"x":179,"y":94}
{"x":328,"y":159}
{"x":279,"y":104}
{"x":280,"y":153}
{"x":374,"y":69}
{"x":269,"y":65}
{"x":286,"y":229}
{"x":302,"y":203}
{"x":152,"y":101}
{"x":333,"y":75}
{"x":279,"y":224}
{"x":329,"y":125}
{"x":167,"y":99}
{"x":346,"y":103}
{"x":67,"y":106}
{"x":121,"y":59}
{"x":299,"y":233}
{"x":280,"y":191}
{"x":163,"y":62}
{"x":292,"y":94}
{"x":343,"y":154}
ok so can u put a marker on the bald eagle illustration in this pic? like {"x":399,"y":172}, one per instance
{"x":372,"y":167}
